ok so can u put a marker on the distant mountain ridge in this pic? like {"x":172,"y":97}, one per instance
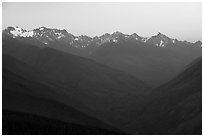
{"x":154,"y":60}
{"x":47,"y":35}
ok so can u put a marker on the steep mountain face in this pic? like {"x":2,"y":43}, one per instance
{"x":155,"y":60}
{"x":161,"y":40}
{"x":95,"y":89}
{"x":175,"y":107}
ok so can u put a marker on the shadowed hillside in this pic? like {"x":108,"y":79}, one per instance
{"x":97,"y":90}
{"x":18,"y":123}
{"x":152,"y":64}
{"x":176,"y":107}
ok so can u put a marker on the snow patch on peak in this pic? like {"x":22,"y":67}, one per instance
{"x":59,"y":35}
{"x":159,"y":34}
{"x":22,"y":33}
{"x":41,"y":28}
{"x":27,"y":34}
{"x":161,"y":44}
{"x":145,"y":39}
{"x":114,"y":40}
{"x":17,"y":31}
{"x":156,"y":34}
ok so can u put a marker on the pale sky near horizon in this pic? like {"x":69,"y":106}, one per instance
{"x":176,"y":20}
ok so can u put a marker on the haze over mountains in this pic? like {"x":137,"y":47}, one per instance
{"x":104,"y":84}
{"x":154,"y":60}
{"x":175,"y":107}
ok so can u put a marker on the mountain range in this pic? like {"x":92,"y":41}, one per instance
{"x":154,"y":60}
{"x":48,"y":36}
{"x":112,"y":84}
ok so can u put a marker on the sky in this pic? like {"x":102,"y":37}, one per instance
{"x":177,"y":20}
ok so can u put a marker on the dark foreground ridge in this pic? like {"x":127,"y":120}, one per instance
{"x":19,"y":123}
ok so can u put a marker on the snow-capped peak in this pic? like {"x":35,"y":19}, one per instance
{"x":156,"y":34}
{"x":21,"y":32}
{"x":42,"y":28}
